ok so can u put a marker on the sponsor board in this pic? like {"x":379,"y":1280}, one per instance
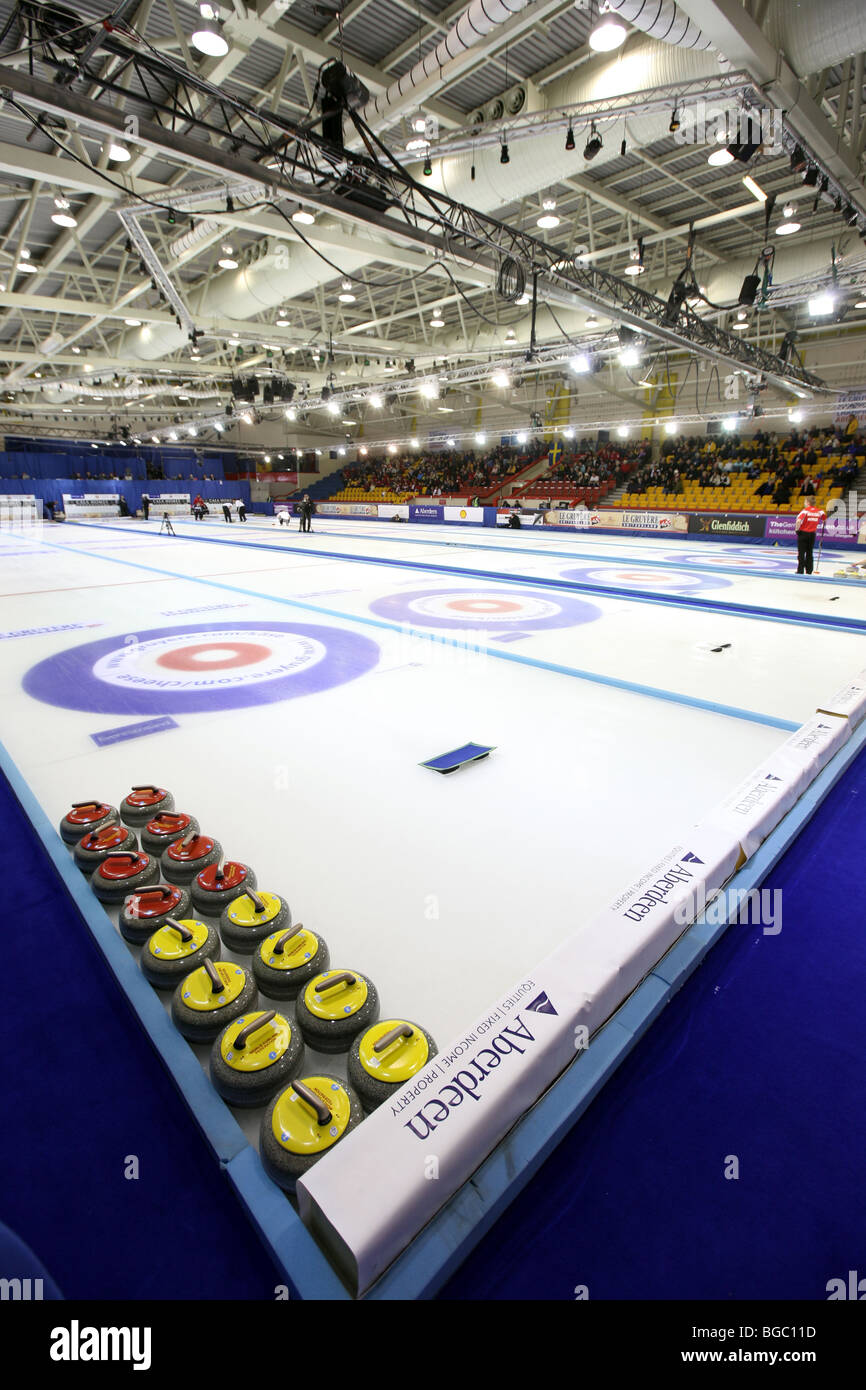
{"x":175,"y":503}
{"x":462,"y":1103}
{"x":644,"y":521}
{"x":90,"y":504}
{"x":475,"y":515}
{"x":849,"y":702}
{"x":423,"y":511}
{"x":581,"y":517}
{"x":783,"y":528}
{"x":387,"y":511}
{"x":347,"y":508}
{"x":725,"y":524}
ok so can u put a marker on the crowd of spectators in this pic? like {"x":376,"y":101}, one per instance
{"x":442,"y":473}
{"x":589,"y":464}
{"x":796,"y":463}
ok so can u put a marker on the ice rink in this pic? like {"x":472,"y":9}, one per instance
{"x":286,"y":688}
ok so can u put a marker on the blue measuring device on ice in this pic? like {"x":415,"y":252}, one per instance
{"x":458,"y":757}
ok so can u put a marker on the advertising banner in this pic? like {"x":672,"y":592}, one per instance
{"x":474,"y":515}
{"x":347,"y":508}
{"x":782,"y":528}
{"x":424,"y":511}
{"x":582,"y":518}
{"x":175,"y":503}
{"x":388,"y":510}
{"x":726,"y":524}
{"x":90,"y":505}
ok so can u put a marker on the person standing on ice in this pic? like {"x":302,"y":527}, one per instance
{"x":306,"y":510}
{"x":806,"y":526}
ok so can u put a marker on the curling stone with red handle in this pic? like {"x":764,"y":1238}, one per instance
{"x":334,"y":1007}
{"x":143,"y":803}
{"x":96,"y":845}
{"x":210,"y":997}
{"x":83,"y":816}
{"x":120,"y":874}
{"x":285,"y":961}
{"x":164,"y":829}
{"x":186,"y":858}
{"x":303,"y":1123}
{"x":387,"y":1055}
{"x":218,"y":885}
{"x":251,"y":917}
{"x":176,"y":948}
{"x":143,"y":912}
{"x":256,"y":1056}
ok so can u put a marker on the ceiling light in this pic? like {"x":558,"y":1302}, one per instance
{"x":192,"y":431}
{"x":629,"y":356}
{"x":118,"y":152}
{"x":591,"y":321}
{"x":568,"y":432}
{"x":247,"y":418}
{"x":437,"y":321}
{"x":415,"y":145}
{"x":88,"y":367}
{"x":510,"y":336}
{"x":363,"y":451}
{"x":63,"y":217}
{"x":593,"y":144}
{"x":741,"y":326}
{"x":27,"y":267}
{"x":521,"y":437}
{"x":172,"y":434}
{"x":333,"y":407}
{"x":481,"y":438}
{"x":227,"y":263}
{"x":787,"y":228}
{"x":608,"y":34}
{"x":670,"y":427}
{"x":429,"y":390}
{"x":267,"y":458}
{"x":419,"y":125}
{"x":206,"y":36}
{"x":729,"y":422}
{"x":291,"y":413}
{"x":76,"y":349}
{"x":218,"y":426}
{"x":580,"y":363}
{"x":375,"y":400}
{"x":754,"y":189}
{"x":860,"y":304}
{"x":501,"y":379}
{"x":622,"y":431}
{"x":634,"y":268}
{"x":341,"y":452}
{"x":392,"y":448}
{"x":154,"y":438}
{"x":547,"y":221}
{"x":345,"y":297}
{"x":524,"y":298}
{"x":795,"y":416}
{"x":304,"y":218}
{"x":821,"y":304}
{"x":414,"y":443}
{"x":450,"y":443}
{"x":720,"y":157}
{"x":132,"y":323}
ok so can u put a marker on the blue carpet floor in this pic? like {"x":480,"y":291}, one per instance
{"x":758,"y":1059}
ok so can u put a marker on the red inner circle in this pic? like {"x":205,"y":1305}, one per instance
{"x":106,"y":838}
{"x":123,"y":868}
{"x":192,"y":658}
{"x":485,"y":605}
{"x":166,"y":824}
{"x":146,"y":798}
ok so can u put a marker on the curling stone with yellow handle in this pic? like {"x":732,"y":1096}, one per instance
{"x":144,"y":802}
{"x":387,"y":1055}
{"x":164,"y":829}
{"x":84,"y":816}
{"x":303,"y":1123}
{"x":177,"y":947}
{"x":252,"y":917}
{"x":219,"y":884}
{"x":285,"y":961}
{"x":256,"y":1056}
{"x":142,"y":913}
{"x":120,"y":874}
{"x":210,"y":997}
{"x":335,"y":1006}
{"x":186,"y":858}
{"x":96,"y":846}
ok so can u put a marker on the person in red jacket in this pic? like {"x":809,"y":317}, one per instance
{"x":807,"y":525}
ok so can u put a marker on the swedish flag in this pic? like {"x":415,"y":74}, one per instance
{"x":554,"y":455}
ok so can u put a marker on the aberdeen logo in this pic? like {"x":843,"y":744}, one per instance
{"x":541,"y":1005}
{"x":691,"y":858}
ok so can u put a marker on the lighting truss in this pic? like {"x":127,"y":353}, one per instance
{"x":373,"y":190}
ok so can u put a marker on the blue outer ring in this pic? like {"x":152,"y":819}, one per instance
{"x":397,"y":607}
{"x":67,"y":680}
{"x":688,"y":584}
{"x":730,"y":554}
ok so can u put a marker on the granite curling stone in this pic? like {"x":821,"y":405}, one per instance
{"x":218,"y":885}
{"x":97,"y":845}
{"x":143,"y":803}
{"x":387,"y":1055}
{"x":303,"y":1123}
{"x":121,"y":874}
{"x":285,"y":961}
{"x":142,"y":913}
{"x":83,"y":816}
{"x":177,"y":947}
{"x":255,"y":1056}
{"x":210,"y":997}
{"x":164,"y":829}
{"x":186,"y":858}
{"x":251,"y":918}
{"x":334,"y":1007}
